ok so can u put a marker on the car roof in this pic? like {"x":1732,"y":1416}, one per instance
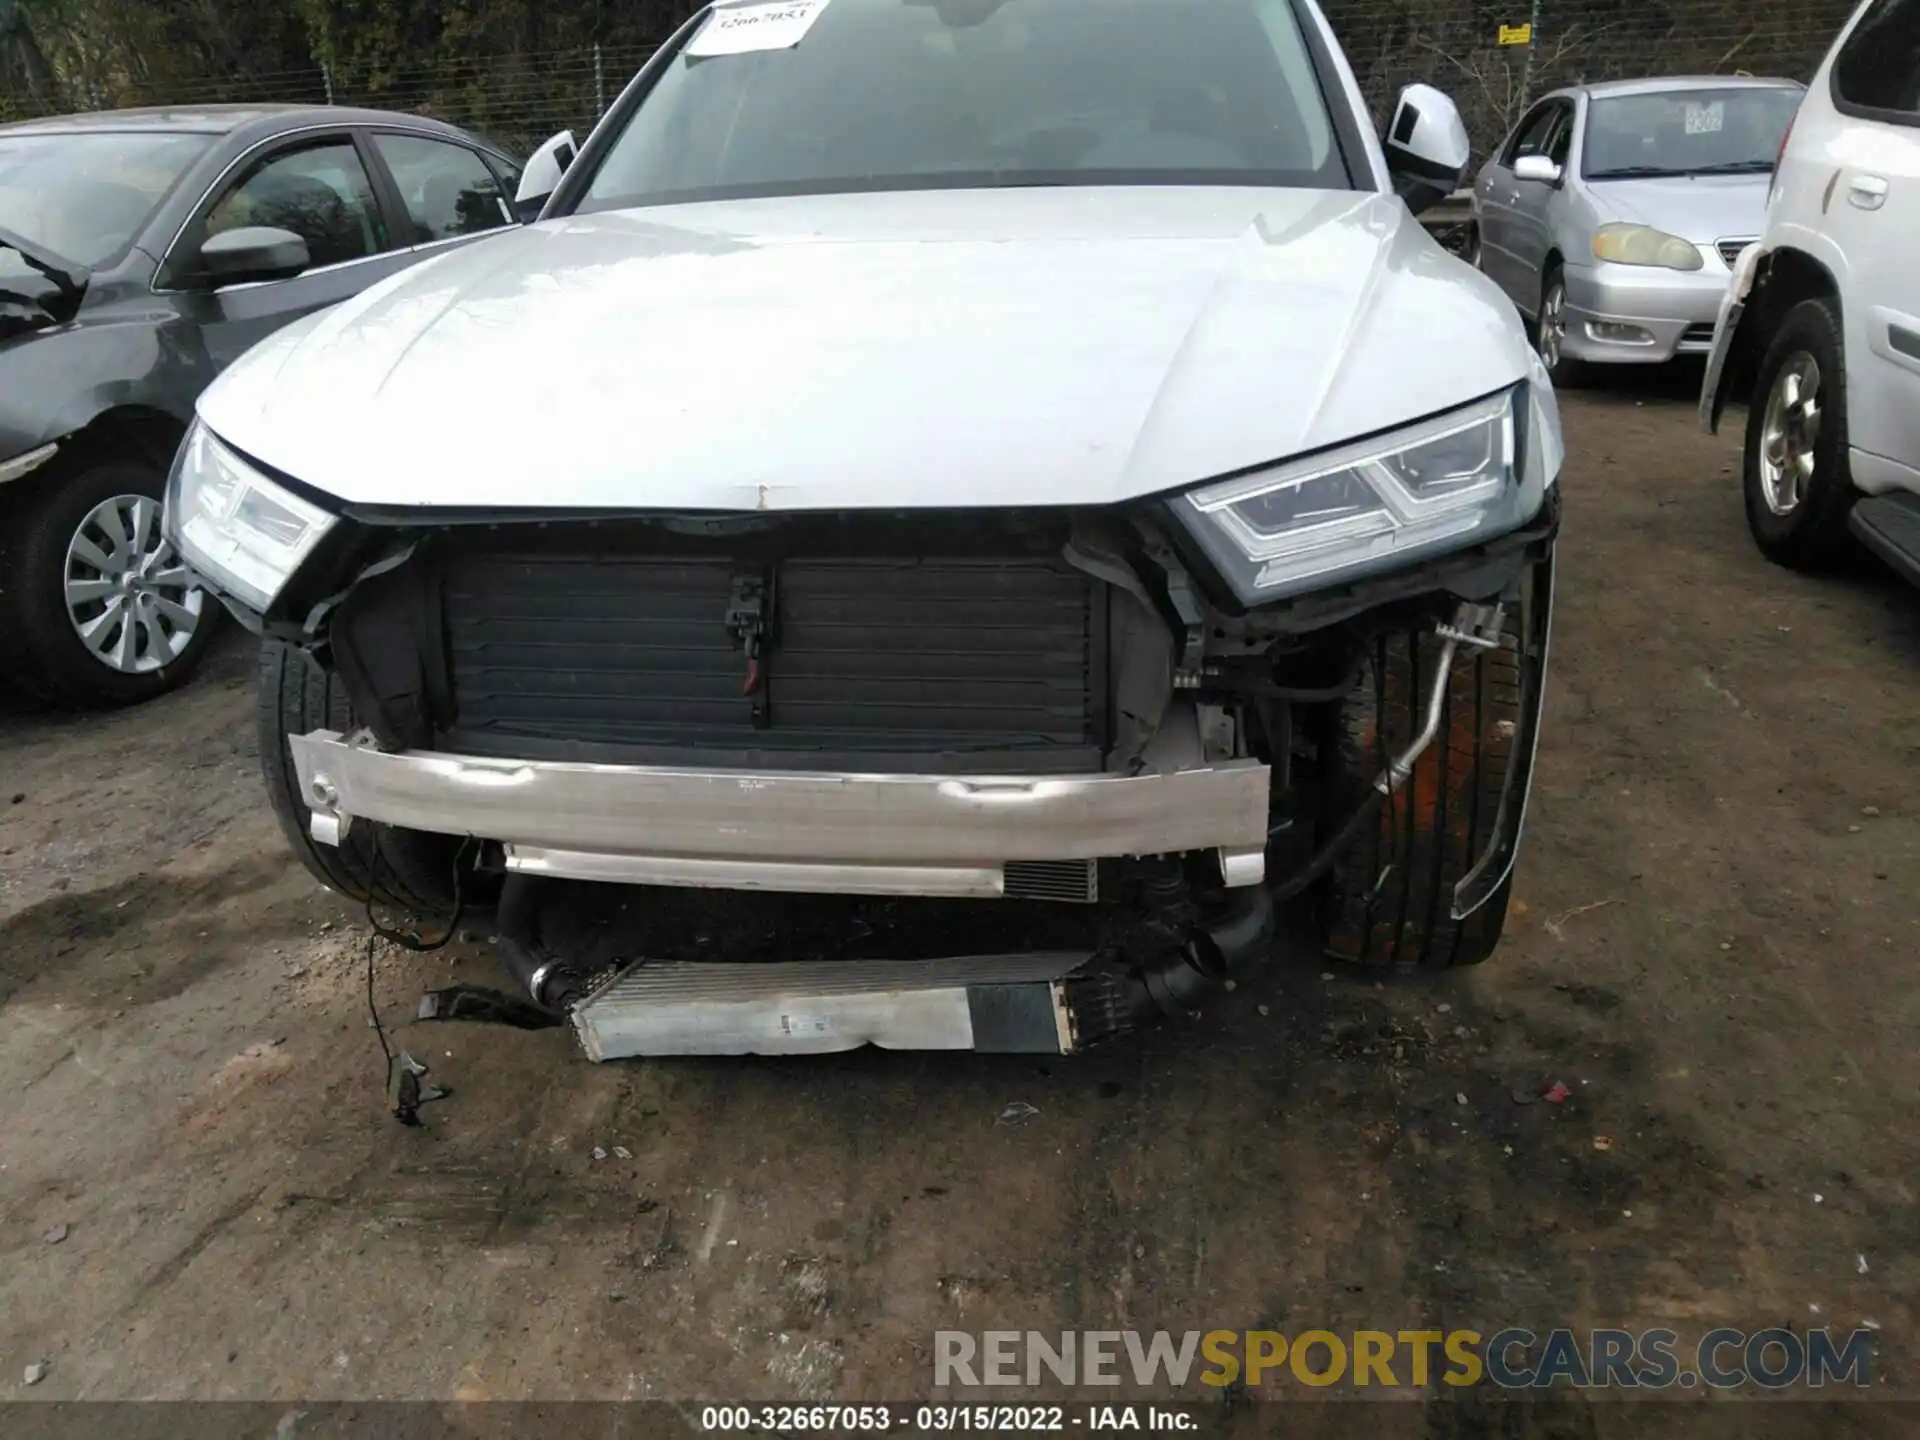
{"x":1658,"y":84}
{"x":262,"y":120}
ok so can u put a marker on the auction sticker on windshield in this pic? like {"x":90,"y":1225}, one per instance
{"x":1706,"y":119}
{"x":738,"y":29}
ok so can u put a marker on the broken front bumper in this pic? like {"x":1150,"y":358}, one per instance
{"x":820,"y":832}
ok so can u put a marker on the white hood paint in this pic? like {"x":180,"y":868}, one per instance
{"x":1700,"y":208}
{"x":947,"y":348}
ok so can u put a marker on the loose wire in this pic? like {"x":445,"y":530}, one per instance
{"x":406,"y":1110}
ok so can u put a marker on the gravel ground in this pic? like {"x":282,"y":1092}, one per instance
{"x":1712,"y":947}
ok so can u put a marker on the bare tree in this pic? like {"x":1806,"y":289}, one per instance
{"x":20,"y":52}
{"x":1499,"y":88}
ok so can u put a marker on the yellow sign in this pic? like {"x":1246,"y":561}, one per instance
{"x":1516,"y":34}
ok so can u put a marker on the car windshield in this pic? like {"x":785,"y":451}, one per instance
{"x":928,"y":94}
{"x":83,"y":197}
{"x":1731,"y":130}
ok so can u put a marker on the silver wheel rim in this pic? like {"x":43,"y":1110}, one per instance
{"x":1553,"y":324}
{"x":132,"y":602}
{"x":1788,"y":432}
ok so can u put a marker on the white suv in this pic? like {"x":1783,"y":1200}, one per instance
{"x":1821,"y":323}
{"x":987,"y":452}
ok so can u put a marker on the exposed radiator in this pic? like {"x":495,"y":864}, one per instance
{"x":938,"y":662}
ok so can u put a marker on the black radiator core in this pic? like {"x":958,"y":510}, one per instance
{"x":948,"y":663}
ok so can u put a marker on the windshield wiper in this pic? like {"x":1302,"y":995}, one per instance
{"x":67,"y":278}
{"x":1665,"y":172}
{"x":1634,"y":172}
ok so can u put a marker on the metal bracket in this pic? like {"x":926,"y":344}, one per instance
{"x":749,"y":622}
{"x":1480,"y":626}
{"x":1189,"y":667}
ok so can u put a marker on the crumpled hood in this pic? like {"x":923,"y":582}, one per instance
{"x":902,"y":350}
{"x":1702,"y":208}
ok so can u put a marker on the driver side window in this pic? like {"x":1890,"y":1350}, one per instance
{"x":1532,"y":135}
{"x":321,"y":193}
{"x":1560,"y":142}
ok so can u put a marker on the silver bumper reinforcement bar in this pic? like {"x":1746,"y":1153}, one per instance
{"x":786,"y":830}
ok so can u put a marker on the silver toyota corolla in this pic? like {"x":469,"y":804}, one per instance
{"x":1613,"y":214}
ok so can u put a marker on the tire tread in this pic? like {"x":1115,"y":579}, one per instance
{"x":392,"y":868}
{"x":1407,"y":922}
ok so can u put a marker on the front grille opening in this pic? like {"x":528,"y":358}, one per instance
{"x":1731,"y":250}
{"x":904,"y":650}
{"x":1075,"y":882}
{"x":603,"y":928}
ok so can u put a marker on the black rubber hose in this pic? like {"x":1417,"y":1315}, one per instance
{"x":1299,"y":694}
{"x":551,"y":984}
{"x":1179,"y":980}
{"x":1328,"y":854}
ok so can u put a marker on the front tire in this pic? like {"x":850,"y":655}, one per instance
{"x":1388,"y":902}
{"x":1797,"y":482}
{"x":96,"y":609}
{"x":422,"y":874}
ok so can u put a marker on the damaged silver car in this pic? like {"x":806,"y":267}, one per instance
{"x":1018,"y":468}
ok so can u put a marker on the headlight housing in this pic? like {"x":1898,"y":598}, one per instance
{"x":1623,"y":244}
{"x":235,"y":528}
{"x":1374,"y":505}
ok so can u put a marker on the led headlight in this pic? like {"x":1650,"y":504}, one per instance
{"x":234,"y":527}
{"x":1439,"y":485}
{"x":1643,"y":245}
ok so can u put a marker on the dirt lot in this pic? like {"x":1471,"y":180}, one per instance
{"x":1714,"y":948}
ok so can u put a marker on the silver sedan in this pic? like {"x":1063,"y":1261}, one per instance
{"x":1612,"y":214}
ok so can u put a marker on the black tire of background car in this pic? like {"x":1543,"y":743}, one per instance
{"x":411,"y":871}
{"x":1388,"y":901}
{"x":1567,"y":372}
{"x":39,"y":648}
{"x":1814,"y":534}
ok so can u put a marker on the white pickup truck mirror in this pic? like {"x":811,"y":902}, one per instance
{"x":541,"y":175}
{"x":1427,"y":148}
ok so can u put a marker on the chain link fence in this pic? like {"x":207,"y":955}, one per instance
{"x":1492,"y":56}
{"x":1494,"y":59}
{"x":515,"y":100}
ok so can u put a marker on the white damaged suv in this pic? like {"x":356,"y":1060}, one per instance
{"x":1022,"y":465}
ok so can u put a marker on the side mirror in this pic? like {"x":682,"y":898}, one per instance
{"x":253,"y":252}
{"x":1427,"y":149}
{"x":541,"y":176}
{"x":1536,"y":167}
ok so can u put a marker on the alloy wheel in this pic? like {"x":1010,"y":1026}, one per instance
{"x":1553,"y":324}
{"x":133,"y":604}
{"x":1789,"y":432}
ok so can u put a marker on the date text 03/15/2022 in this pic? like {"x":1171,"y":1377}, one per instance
{"x":943,"y":1419}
